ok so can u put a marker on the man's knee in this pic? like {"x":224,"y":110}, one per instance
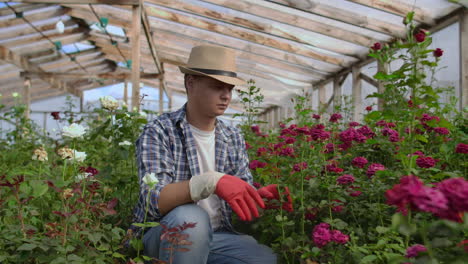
{"x":189,"y":213}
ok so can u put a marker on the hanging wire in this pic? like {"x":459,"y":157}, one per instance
{"x":44,"y":36}
{"x":113,"y":42}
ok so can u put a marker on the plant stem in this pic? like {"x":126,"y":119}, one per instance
{"x":64,"y":168}
{"x":20,"y":212}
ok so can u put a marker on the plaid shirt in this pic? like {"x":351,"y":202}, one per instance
{"x":167,"y":148}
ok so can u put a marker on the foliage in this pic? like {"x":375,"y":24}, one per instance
{"x":370,"y":192}
{"x":68,"y":200}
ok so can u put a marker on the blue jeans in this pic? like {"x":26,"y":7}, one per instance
{"x":220,"y":247}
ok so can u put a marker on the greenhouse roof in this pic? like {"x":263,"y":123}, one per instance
{"x":286,"y":46}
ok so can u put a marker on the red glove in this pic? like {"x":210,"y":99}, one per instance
{"x":240,"y":196}
{"x":270,"y":193}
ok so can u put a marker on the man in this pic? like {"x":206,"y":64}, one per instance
{"x":201,"y":169}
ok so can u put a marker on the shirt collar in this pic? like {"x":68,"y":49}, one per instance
{"x":222,"y":132}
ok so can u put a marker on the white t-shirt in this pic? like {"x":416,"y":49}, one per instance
{"x":205,"y":142}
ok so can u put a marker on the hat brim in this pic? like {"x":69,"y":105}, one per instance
{"x":222,"y":78}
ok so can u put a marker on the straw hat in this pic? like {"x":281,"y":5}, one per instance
{"x":215,"y":62}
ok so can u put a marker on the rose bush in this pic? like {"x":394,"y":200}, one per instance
{"x":391,"y":188}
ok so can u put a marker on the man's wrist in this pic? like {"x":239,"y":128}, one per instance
{"x":203,"y":185}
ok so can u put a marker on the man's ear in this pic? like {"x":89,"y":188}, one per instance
{"x":189,"y":79}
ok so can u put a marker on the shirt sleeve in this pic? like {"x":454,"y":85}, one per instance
{"x":154,"y":155}
{"x":243,"y":170}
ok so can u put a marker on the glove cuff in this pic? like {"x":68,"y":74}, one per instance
{"x":203,"y":185}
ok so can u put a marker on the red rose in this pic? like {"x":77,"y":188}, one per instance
{"x":420,"y":37}
{"x":438,"y":53}
{"x":377,"y":46}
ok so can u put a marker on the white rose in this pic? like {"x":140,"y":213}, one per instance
{"x":150,"y":179}
{"x":73,"y":131}
{"x":108,"y":102}
{"x":40,"y":154}
{"x":79,"y":156}
{"x":125,"y":143}
{"x":143,"y":114}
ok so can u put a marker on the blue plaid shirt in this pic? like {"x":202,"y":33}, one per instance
{"x":167,"y":148}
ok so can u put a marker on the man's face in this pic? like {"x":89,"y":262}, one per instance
{"x":210,"y":96}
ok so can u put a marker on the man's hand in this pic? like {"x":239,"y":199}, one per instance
{"x":240,"y":196}
{"x":271,"y":193}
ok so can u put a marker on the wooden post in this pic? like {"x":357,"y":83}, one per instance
{"x":27,"y":97}
{"x":337,"y":91}
{"x":161,"y":96}
{"x":357,"y":93}
{"x":81,"y":101}
{"x":463,"y":59}
{"x":44,"y":123}
{"x":381,"y":67}
{"x":125,"y":93}
{"x":276,"y":119}
{"x":136,"y":29}
{"x":322,"y":97}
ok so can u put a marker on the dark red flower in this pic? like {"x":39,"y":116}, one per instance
{"x":438,"y":53}
{"x":345,"y":179}
{"x":462,"y":148}
{"x":90,"y":170}
{"x":300,"y":166}
{"x":413,"y":251}
{"x":255,"y":129}
{"x":247,"y":145}
{"x":55,"y":115}
{"x":373,"y":168}
{"x":420,"y":36}
{"x":425,"y":162}
{"x":441,"y":130}
{"x":376,"y":46}
{"x":369,"y":108}
{"x":254,"y":164}
{"x":335,"y":117}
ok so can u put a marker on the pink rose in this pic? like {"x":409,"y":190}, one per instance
{"x":335,"y":117}
{"x":339,"y":237}
{"x":462,"y":148}
{"x":359,"y":162}
{"x":254,"y":164}
{"x":425,"y":162}
{"x":414,"y":251}
{"x":345,"y":179}
{"x":373,"y":168}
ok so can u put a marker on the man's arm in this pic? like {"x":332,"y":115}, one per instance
{"x":173,"y":195}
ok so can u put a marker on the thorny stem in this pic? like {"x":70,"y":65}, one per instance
{"x":20,"y":211}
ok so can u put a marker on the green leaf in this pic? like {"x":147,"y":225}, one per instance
{"x":421,"y":138}
{"x":74,"y":257}
{"x":39,"y":188}
{"x":375,"y":115}
{"x":368,"y":259}
{"x":27,"y":247}
{"x":118,"y":255}
{"x":147,"y":224}
{"x":25,"y":188}
{"x":381,"y":229}
{"x":94,"y":237}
